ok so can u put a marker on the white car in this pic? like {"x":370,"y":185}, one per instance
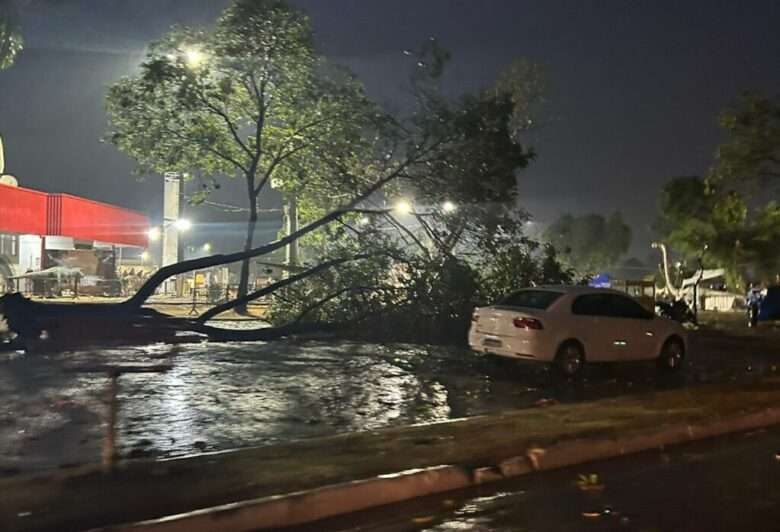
{"x":571,"y":325}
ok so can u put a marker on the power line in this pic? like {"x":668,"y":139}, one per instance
{"x":227,"y":207}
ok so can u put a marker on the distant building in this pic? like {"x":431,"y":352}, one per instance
{"x":39,"y":230}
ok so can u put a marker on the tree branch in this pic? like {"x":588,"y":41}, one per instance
{"x":408,"y":232}
{"x":274,"y":163}
{"x":330,"y":297}
{"x":233,"y":131}
{"x":151,"y":285}
{"x":273,"y":287}
{"x":208,"y":147}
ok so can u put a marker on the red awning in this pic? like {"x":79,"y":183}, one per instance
{"x":26,"y":211}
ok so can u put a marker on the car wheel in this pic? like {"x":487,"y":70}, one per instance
{"x":672,"y":355}
{"x":570,"y":359}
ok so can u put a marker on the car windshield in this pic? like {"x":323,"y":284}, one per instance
{"x":538,"y":299}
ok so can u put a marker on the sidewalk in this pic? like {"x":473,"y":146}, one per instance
{"x":456,"y":454}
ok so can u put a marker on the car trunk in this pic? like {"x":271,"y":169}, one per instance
{"x":499,"y":320}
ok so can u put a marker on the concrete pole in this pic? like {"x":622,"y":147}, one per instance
{"x":180,"y":237}
{"x":291,"y":226}
{"x":170,"y":235}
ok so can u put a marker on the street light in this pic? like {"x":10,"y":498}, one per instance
{"x":193,"y":57}
{"x":449,"y":207}
{"x":403,"y":206}
{"x":207,"y":247}
{"x":182,"y":224}
{"x":154,"y":234}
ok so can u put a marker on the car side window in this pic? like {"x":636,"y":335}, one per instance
{"x":609,"y":305}
{"x":625,"y":307}
{"x":591,"y":305}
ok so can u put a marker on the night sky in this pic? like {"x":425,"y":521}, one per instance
{"x":635,"y":86}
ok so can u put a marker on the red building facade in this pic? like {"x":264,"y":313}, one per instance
{"x":40,"y":230}
{"x":30,"y":212}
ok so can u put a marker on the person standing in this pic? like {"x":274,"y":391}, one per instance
{"x":754,"y":298}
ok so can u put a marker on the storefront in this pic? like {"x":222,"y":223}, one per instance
{"x":41,"y":231}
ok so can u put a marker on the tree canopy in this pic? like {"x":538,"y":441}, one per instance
{"x":743,"y":240}
{"x":249,"y":98}
{"x":11,"y":41}
{"x":733,"y":211}
{"x":751,"y":155}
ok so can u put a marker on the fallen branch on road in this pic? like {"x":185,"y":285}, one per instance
{"x":274,"y":287}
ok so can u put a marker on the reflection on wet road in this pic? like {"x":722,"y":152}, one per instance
{"x":219,"y":396}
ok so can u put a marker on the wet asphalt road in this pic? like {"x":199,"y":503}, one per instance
{"x":725,"y":484}
{"x":220,"y":396}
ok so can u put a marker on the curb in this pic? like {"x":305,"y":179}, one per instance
{"x":307,"y":506}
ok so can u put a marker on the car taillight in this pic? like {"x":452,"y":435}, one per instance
{"x":528,"y":324}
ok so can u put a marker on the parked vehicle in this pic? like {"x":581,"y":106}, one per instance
{"x":764,"y":308}
{"x":571,"y":325}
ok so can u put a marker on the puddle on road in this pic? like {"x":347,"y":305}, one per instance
{"x":219,"y":396}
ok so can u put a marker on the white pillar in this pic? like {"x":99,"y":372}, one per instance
{"x":170,"y":234}
{"x":171,"y":207}
{"x":291,"y":226}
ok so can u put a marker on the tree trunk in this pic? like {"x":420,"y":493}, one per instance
{"x":243,"y":282}
{"x":675,"y":293}
{"x":51,"y":327}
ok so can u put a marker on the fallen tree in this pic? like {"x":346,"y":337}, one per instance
{"x":41,"y":326}
{"x":463,"y":153}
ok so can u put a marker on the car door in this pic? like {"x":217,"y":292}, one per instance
{"x":594,"y":325}
{"x":631,"y":332}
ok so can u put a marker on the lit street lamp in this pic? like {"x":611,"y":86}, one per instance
{"x":449,"y":207}
{"x":403,"y":206}
{"x":155,"y":234}
{"x":193,"y":57}
{"x":182,"y":224}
